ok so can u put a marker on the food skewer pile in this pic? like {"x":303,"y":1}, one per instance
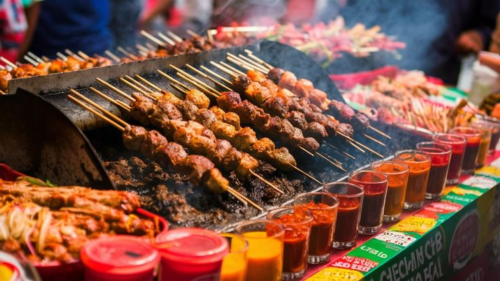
{"x":408,"y":99}
{"x":44,"y":224}
{"x":200,"y":170}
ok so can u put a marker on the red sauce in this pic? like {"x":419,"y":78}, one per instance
{"x":295,"y":243}
{"x":322,"y":229}
{"x":347,"y":219}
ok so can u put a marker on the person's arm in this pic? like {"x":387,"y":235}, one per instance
{"x":32,"y":13}
{"x":478,"y":38}
{"x":160,"y":8}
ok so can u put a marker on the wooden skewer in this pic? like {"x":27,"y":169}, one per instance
{"x":146,"y":94}
{"x":353,"y":141}
{"x":61,"y":56}
{"x":256,"y":65}
{"x":46,"y":59}
{"x":166,"y":39}
{"x":8,"y":62}
{"x":240,"y":64}
{"x":329,"y":161}
{"x":118,"y":91}
{"x":127,"y":53}
{"x":380,"y":132}
{"x":83,"y":55}
{"x":3,"y":93}
{"x":341,"y":151}
{"x":270,"y":184}
{"x":30,"y":60}
{"x":147,"y":82}
{"x":306,"y":174}
{"x":210,"y":36}
{"x":198,"y":85}
{"x":208,"y":77}
{"x":70,"y":53}
{"x":2,"y":67}
{"x":115,"y":102}
{"x":152,"y":38}
{"x":173,"y":35}
{"x":373,"y":139}
{"x":216,"y":75}
{"x":223,"y":69}
{"x":192,"y":33}
{"x":196,"y":81}
{"x":109,"y":114}
{"x":178,"y":88}
{"x":142,"y":48}
{"x":73,"y":99}
{"x":171,"y":79}
{"x":139,"y":84}
{"x":233,"y":69}
{"x":259,"y":60}
{"x":38,"y":59}
{"x":112,"y":56}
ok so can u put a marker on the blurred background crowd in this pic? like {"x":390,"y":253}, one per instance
{"x":436,"y":33}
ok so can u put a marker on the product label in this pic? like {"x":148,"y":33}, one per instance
{"x":464,"y":240}
{"x":414,"y":224}
{"x":336,"y":274}
{"x":355,"y":263}
{"x":397,"y":238}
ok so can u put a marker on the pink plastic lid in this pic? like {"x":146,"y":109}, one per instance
{"x":192,"y":245}
{"x":119,"y":255}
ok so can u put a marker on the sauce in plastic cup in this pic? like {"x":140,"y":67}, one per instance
{"x":234,"y":266}
{"x":189,"y":254}
{"x":126,"y":258}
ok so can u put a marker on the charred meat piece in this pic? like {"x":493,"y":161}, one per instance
{"x":241,"y":83}
{"x":220,"y":151}
{"x":303,"y":87}
{"x":133,"y":137}
{"x":275,"y":106}
{"x":188,"y":110}
{"x":5,"y":77}
{"x":345,"y":129}
{"x":246,"y":163}
{"x":228,"y":100}
{"x":141,"y":109}
{"x":316,"y":131}
{"x":297,"y":119}
{"x":169,"y":109}
{"x":275,"y":74}
{"x":245,"y":138}
{"x":281,"y":159}
{"x":247,"y":111}
{"x":232,"y":159}
{"x":256,"y":76}
{"x":224,"y":131}
{"x":198,"y":98}
{"x":195,"y":166}
{"x":206,"y":117}
{"x":215,"y":181}
{"x":257,"y":93}
{"x":360,"y":122}
{"x":197,"y":144}
{"x":287,"y":81}
{"x":341,"y":110}
{"x":261,"y":147}
{"x":152,"y":141}
{"x":310,"y":144}
{"x":232,"y":119}
{"x":172,"y":153}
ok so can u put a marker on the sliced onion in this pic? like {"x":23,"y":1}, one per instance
{"x":28,"y":241}
{"x":43,"y":231}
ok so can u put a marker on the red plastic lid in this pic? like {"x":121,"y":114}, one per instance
{"x":192,"y":245}
{"x":119,"y":255}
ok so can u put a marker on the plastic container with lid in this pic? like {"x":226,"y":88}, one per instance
{"x":189,"y":254}
{"x":124,"y":258}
